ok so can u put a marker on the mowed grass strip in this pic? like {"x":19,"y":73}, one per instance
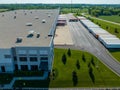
{"x":84,"y":76}
{"x":113,"y":18}
{"x":116,"y":54}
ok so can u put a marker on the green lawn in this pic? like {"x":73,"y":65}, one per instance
{"x":113,"y":18}
{"x":116,"y":54}
{"x":101,"y":76}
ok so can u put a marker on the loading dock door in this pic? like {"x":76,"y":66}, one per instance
{"x":3,"y":68}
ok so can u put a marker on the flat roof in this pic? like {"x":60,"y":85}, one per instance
{"x":13,"y":24}
{"x":112,"y":41}
{"x":99,"y":31}
{"x":107,"y":36}
{"x":89,"y":24}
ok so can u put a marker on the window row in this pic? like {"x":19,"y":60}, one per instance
{"x":32,"y":59}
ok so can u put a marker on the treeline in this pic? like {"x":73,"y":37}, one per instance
{"x":98,"y":11}
{"x":92,"y":9}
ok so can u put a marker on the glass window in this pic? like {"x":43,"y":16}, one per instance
{"x":24,"y":67}
{"x":44,"y":58}
{"x":15,"y":58}
{"x":43,"y":52}
{"x":33,"y":59}
{"x":23,"y":58}
{"x":34,"y":67}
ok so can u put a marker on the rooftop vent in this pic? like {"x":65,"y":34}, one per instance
{"x":19,"y":40}
{"x":36,"y":17}
{"x":30,"y":34}
{"x":28,"y":24}
{"x":14,"y":17}
{"x":38,"y":35}
{"x":43,"y":21}
{"x":50,"y":35}
{"x":2,"y":15}
{"x":25,"y":14}
{"x":49,"y":15}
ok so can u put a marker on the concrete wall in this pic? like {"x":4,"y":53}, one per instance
{"x":7,"y":62}
{"x":34,"y":52}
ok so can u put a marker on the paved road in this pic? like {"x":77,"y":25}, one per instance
{"x":71,"y":88}
{"x":85,"y":41}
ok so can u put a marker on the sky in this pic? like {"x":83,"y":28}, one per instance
{"x":62,"y":1}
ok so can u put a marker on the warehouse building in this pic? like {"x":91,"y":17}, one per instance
{"x":61,"y":20}
{"x":26,"y":39}
{"x":107,"y":39}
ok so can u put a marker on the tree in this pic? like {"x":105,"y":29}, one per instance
{"x":91,"y":74}
{"x":74,"y":78}
{"x":106,"y":27}
{"x":92,"y":61}
{"x":83,"y":58}
{"x":116,"y":30}
{"x":118,"y":14}
{"x":69,"y":52}
{"x":64,"y":59}
{"x":78,"y":64}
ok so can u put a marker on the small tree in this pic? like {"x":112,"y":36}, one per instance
{"x":106,"y":27}
{"x":92,"y":61}
{"x":91,"y":74}
{"x":83,"y":58}
{"x":69,"y":52}
{"x":64,"y":58}
{"x":116,"y":30}
{"x":74,"y":78}
{"x":78,"y":64}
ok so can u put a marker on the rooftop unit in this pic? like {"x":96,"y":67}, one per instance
{"x":28,"y":24}
{"x":38,"y":35}
{"x":30,"y":33}
{"x":19,"y":40}
{"x":43,"y":21}
{"x":36,"y":17}
{"x":49,"y":15}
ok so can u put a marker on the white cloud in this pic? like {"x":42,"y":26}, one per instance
{"x":63,"y":1}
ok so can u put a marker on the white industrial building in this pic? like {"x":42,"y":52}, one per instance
{"x":107,"y":39}
{"x":26,"y":39}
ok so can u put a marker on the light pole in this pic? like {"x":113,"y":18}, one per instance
{"x":71,"y":6}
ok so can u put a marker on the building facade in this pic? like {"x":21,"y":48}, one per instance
{"x":29,"y":53}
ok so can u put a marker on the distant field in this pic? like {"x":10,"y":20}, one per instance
{"x":101,"y":76}
{"x":3,"y":10}
{"x":113,"y":18}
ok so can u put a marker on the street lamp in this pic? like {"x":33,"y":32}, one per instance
{"x":71,"y":6}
